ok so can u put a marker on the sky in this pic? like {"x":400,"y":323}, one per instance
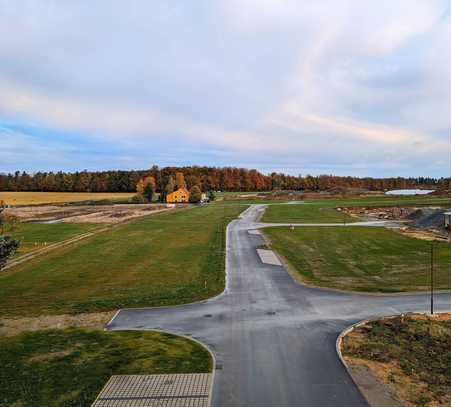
{"x":349,"y":87}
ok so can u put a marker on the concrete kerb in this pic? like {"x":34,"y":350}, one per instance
{"x":358,"y":324}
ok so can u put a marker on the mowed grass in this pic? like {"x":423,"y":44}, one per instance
{"x":163,"y":259}
{"x":383,"y":201}
{"x":39,"y":198}
{"x":35,"y":236}
{"x":362,"y":259}
{"x":305,"y":213}
{"x":56,"y":368}
{"x":317,"y":211}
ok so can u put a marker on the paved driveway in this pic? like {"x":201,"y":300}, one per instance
{"x":274,"y":340}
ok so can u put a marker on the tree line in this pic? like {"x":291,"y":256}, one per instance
{"x":207,"y":178}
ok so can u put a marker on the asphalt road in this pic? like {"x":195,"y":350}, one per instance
{"x":274,"y":340}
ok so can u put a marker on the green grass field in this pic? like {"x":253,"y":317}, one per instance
{"x":56,"y":368}
{"x":163,"y":259}
{"x":34,"y":236}
{"x":383,"y":201}
{"x":361,"y":259}
{"x":305,"y":213}
{"x":324,"y":210}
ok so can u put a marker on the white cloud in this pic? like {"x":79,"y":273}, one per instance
{"x":326,"y":83}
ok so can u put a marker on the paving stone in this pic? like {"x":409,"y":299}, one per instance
{"x":171,"y":390}
{"x":269,"y":257}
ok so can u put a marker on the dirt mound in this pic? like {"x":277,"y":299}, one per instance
{"x":415,"y":215}
{"x":429,"y":218}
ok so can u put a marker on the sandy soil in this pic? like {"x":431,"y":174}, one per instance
{"x":11,"y":327}
{"x":428,"y":235}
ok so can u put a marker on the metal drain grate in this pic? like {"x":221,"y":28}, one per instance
{"x":176,"y":390}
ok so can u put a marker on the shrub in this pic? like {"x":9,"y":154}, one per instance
{"x":138,"y":199}
{"x":195,"y":194}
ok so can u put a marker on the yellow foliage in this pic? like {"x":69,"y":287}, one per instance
{"x":143,"y":182}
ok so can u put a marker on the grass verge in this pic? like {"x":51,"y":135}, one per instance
{"x":411,"y":354}
{"x":164,"y":259}
{"x":305,"y":213}
{"x":362,"y":259}
{"x":57,"y":368}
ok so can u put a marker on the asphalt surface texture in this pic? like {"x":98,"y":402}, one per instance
{"x":273,"y":339}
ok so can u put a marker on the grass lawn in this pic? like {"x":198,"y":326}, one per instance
{"x":305,"y":213}
{"x":34,"y":236}
{"x":56,"y":368}
{"x":413,"y":356}
{"x":361,"y":259}
{"x":383,"y":201}
{"x":324,"y":210}
{"x":168,"y":258}
{"x":39,"y":198}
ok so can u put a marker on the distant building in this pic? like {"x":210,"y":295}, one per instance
{"x":179,"y":196}
{"x":447,"y":220}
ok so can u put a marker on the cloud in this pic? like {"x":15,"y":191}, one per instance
{"x":355,"y":86}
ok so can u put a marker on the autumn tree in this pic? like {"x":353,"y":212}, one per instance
{"x":191,"y":180}
{"x":148,"y":192}
{"x":170,"y":186}
{"x":208,"y":178}
{"x":143,"y":182}
{"x":195,"y":194}
{"x":180,"y":180}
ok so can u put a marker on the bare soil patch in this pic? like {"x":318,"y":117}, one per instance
{"x":425,"y":223}
{"x":427,"y":235}
{"x":408,"y":355}
{"x":103,"y":214}
{"x":96,"y":320}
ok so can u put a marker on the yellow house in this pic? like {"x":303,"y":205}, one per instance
{"x":181,"y":195}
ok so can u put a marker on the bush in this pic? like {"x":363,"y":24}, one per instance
{"x":8,"y":247}
{"x":195,"y":194}
{"x":138,"y":199}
